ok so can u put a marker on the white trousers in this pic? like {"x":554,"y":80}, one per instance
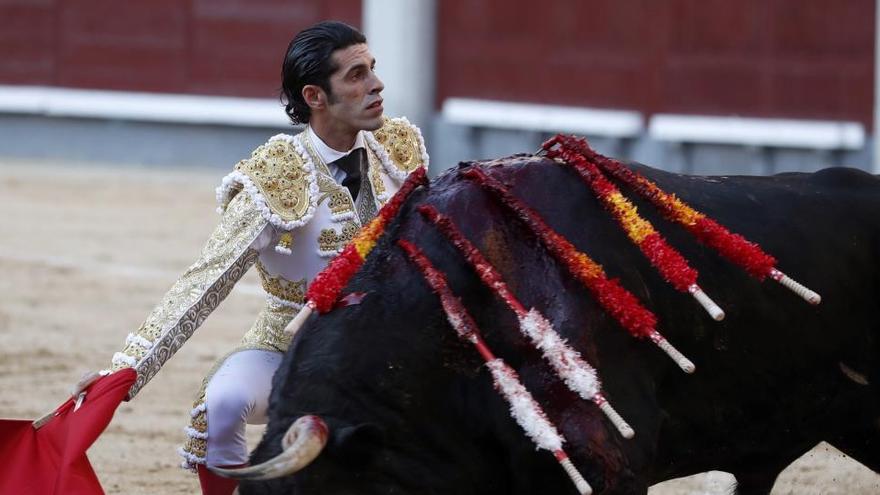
{"x":238,"y":394}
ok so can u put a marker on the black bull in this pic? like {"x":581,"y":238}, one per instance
{"x":411,"y":409}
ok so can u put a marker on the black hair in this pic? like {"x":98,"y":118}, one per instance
{"x":308,"y":62}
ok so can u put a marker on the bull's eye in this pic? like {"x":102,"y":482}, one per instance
{"x":356,"y":446}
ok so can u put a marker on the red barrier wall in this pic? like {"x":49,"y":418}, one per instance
{"x":223,"y":47}
{"x":769,"y":58}
{"x":791,"y":58}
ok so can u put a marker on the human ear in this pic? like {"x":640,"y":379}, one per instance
{"x":314,"y":96}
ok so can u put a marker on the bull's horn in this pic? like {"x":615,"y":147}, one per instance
{"x":302,"y":443}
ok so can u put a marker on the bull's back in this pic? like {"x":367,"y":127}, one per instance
{"x":770,"y":379}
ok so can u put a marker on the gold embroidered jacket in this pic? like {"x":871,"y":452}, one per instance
{"x":291,"y":218}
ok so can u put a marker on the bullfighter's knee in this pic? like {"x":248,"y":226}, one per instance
{"x":237,"y":394}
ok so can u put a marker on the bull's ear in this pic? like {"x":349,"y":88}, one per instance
{"x":356,"y":444}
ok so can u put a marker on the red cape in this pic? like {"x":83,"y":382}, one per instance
{"x":52,"y":460}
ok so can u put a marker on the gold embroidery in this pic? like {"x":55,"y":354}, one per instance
{"x":223,"y":261}
{"x":199,"y":446}
{"x":280,"y":174}
{"x":280,"y":287}
{"x":401,"y":142}
{"x":200,"y":422}
{"x":326,"y":184}
{"x":285,"y":241}
{"x":268,"y":330}
{"x":196,"y":446}
{"x":340,"y":200}
{"x":313,"y":153}
{"x":375,"y":178}
{"x":330,"y":241}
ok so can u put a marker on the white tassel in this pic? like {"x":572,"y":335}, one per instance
{"x":577,"y":374}
{"x":529,"y":415}
{"x":523,"y":407}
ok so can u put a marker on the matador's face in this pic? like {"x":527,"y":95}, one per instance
{"x":355,"y":101}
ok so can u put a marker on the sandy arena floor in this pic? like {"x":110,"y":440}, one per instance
{"x":85,"y":253}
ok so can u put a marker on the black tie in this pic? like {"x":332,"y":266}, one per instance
{"x":351,"y":165}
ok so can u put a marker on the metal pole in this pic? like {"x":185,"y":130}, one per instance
{"x":401,"y":35}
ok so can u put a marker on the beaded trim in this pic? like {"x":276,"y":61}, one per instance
{"x":237,"y":180}
{"x":192,"y":432}
{"x":284,"y":302}
{"x":189,"y":460}
{"x":331,"y":242}
{"x":391,"y":169}
{"x":137,"y":339}
{"x":194,"y":450}
{"x":120,"y":358}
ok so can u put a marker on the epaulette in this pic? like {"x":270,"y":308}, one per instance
{"x":281,"y":181}
{"x":402,"y":144}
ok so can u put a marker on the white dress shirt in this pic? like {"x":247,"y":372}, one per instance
{"x":329,"y":155}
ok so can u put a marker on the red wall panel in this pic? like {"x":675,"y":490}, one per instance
{"x":773,"y":58}
{"x":27,"y":38}
{"x":238,"y":46}
{"x":225,"y":47}
{"x":790,"y":58}
{"x":141,"y":46}
{"x":534,"y":51}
